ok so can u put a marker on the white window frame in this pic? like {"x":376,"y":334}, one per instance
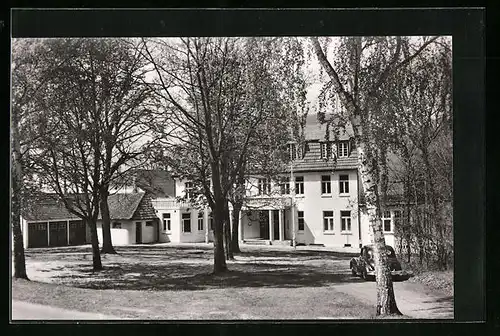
{"x":184,"y":222}
{"x":326,"y":185}
{"x":210,"y":221}
{"x":345,"y":221}
{"x":329,"y":220}
{"x":299,"y":217}
{"x":343,"y":149}
{"x":324,"y":150}
{"x":188,"y":189}
{"x":343,"y":183}
{"x":264,"y":186}
{"x":385,"y":218}
{"x":200,"y":221}
{"x":299,"y":185}
{"x":285,"y":185}
{"x":167,"y":222}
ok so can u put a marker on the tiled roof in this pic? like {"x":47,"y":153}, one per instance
{"x":47,"y":209}
{"x":312,"y":161}
{"x":145,"y":209}
{"x":158,"y":183}
{"x":314,"y":130}
{"x":121,"y":206}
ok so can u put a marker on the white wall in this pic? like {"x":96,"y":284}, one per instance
{"x":367,"y":234}
{"x":313,"y":203}
{"x":195,"y":236}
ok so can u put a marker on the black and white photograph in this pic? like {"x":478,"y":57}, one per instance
{"x":232,"y":178}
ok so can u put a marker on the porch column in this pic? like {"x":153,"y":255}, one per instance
{"x":271,"y":227}
{"x":241,"y":227}
{"x":205,"y":220}
{"x":67,"y":232}
{"x":281,"y":225}
{"x":230,"y":222}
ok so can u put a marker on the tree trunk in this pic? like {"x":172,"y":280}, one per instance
{"x":107,"y":245}
{"x":17,"y":176}
{"x":368,"y":167}
{"x":220,"y":265}
{"x":235,"y":243}
{"x":96,"y":255}
{"x":227,"y":235}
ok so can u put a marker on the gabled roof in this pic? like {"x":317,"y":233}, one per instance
{"x":157,"y":183}
{"x":128,"y":206}
{"x":316,"y":131}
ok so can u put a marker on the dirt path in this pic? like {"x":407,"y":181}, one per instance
{"x":413,"y":300}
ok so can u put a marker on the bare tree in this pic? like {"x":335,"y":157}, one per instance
{"x":219,"y":90}
{"x":356,"y":76}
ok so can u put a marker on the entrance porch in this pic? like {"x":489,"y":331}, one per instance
{"x":265,"y":227}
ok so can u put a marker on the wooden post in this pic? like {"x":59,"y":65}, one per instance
{"x":241,"y":227}
{"x":207,"y":224}
{"x":271,"y":227}
{"x":48,"y":234}
{"x":281,"y":225}
{"x":67,"y":232}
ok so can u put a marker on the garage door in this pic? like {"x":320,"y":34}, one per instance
{"x":58,"y":234}
{"x":37,"y":235}
{"x":77,"y":232}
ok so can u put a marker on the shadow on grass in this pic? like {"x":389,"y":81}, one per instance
{"x":187,"y":276}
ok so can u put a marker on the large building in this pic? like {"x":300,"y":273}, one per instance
{"x":323,"y":204}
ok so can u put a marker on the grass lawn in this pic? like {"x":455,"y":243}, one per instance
{"x":166,"y":282}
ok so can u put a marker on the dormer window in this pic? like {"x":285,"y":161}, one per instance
{"x":294,"y":151}
{"x":343,"y":149}
{"x":326,"y":150}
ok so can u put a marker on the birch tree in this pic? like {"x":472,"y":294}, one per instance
{"x":356,"y":76}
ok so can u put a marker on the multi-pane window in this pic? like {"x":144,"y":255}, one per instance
{"x":326,"y":184}
{"x":188,"y":189}
{"x":345,"y":221}
{"x":264,"y":185}
{"x":386,"y":221}
{"x":116,"y":225}
{"x":166,"y":222}
{"x":149,"y":223}
{"x":285,"y":185}
{"x":200,"y":221}
{"x":210,"y":221}
{"x":299,"y":185}
{"x":344,"y":184}
{"x":343,"y":149}
{"x":301,"y":220}
{"x":186,"y":222}
{"x":326,"y":150}
{"x":328,"y":220}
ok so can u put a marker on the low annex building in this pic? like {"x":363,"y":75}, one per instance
{"x":133,"y":221}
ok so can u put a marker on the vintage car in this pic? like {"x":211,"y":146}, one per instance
{"x":364,"y":264}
